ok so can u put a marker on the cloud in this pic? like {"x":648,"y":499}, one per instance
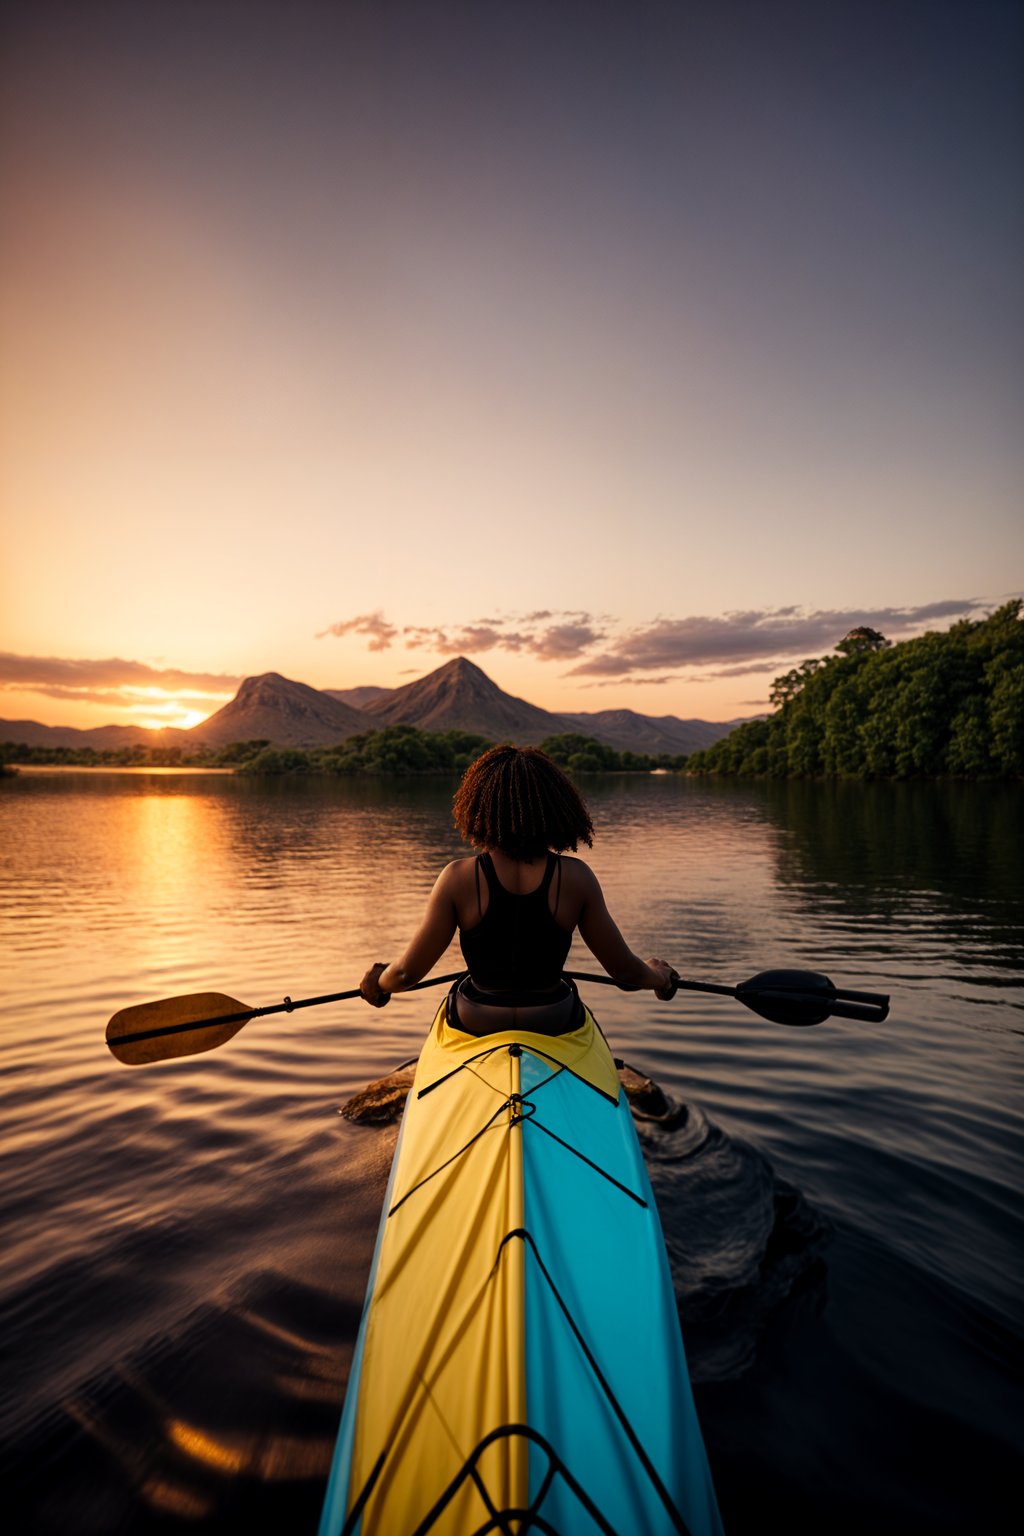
{"x":744,"y":668}
{"x":110,"y":681}
{"x":569,"y":637}
{"x":695,"y":649}
{"x":474,"y":637}
{"x":453,"y":642}
{"x":639,"y":682}
{"x":563,"y":642}
{"x":380,"y":632}
{"x":756,"y":639}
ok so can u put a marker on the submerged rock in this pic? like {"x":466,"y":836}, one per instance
{"x":647,"y":1101}
{"x":382,"y":1101}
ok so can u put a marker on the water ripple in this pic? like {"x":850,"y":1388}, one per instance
{"x":186,"y":1246}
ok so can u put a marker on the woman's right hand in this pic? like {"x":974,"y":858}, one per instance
{"x":668,"y":979}
{"x":370,"y":986}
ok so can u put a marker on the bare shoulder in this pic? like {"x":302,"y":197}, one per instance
{"x":578,"y":877}
{"x":456,"y":876}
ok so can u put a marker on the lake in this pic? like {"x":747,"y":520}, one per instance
{"x":186,"y":1245}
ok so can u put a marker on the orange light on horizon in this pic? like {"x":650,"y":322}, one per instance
{"x":176,"y":715}
{"x":163,"y":708}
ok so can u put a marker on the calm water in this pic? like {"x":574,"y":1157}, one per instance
{"x":186,"y":1245}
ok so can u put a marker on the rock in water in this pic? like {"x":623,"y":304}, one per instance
{"x":380,"y":1102}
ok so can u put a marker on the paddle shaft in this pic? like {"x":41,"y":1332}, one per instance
{"x":288,"y":1006}
{"x":868,"y":1007}
{"x":688,"y":986}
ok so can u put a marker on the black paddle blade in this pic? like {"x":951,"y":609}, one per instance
{"x":789,"y":997}
{"x":805,"y":997}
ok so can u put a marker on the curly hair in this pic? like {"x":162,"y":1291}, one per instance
{"x":518,"y":800}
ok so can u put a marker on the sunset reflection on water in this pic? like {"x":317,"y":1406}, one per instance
{"x":186,"y":1245}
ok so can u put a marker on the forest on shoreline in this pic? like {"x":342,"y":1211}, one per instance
{"x":943,"y":705}
{"x":395,"y":749}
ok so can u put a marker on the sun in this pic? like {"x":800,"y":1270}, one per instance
{"x":156,"y":709}
{"x":176,"y":715}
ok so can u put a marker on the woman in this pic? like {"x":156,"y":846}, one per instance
{"x":517,"y":904}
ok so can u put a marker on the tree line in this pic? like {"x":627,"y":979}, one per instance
{"x":947,"y":704}
{"x":402,"y":749}
{"x":394,"y":749}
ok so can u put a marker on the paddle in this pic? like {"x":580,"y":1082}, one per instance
{"x":171,"y":1027}
{"x":788,"y":997}
{"x":185,"y":1026}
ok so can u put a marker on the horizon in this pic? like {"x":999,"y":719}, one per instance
{"x":259,"y":676}
{"x":89,"y":693}
{"x":188,"y":724}
{"x":637,"y":353}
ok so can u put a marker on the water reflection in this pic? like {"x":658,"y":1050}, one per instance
{"x":186,"y":1248}
{"x":877,"y":844}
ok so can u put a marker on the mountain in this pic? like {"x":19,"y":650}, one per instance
{"x":460,"y":697}
{"x":287,"y":713}
{"x":631,"y":732}
{"x":457,"y":696}
{"x":357,"y":697}
{"x":101,"y":738}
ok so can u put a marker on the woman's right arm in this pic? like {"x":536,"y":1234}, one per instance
{"x":601,"y":935}
{"x":427,"y":945}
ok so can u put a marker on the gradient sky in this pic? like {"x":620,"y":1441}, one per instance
{"x":634,"y":350}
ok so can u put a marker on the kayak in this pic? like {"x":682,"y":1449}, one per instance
{"x":519,"y":1365}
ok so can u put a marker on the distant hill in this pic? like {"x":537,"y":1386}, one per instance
{"x":100,"y":738}
{"x":284,"y":712}
{"x":459,"y":696}
{"x":628,"y":731}
{"x":357,"y":697}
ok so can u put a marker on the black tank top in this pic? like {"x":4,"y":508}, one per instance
{"x":517,"y":944}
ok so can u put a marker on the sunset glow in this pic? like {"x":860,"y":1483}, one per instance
{"x":335,"y":344}
{"x":171,"y":713}
{"x":157,"y":708}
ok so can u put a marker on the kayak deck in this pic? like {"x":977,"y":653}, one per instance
{"x":519,"y":1364}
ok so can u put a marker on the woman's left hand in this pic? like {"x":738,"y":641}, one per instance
{"x":370,"y":986}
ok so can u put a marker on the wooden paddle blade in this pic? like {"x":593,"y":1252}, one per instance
{"x":789,"y":997}
{"x":175,"y":1026}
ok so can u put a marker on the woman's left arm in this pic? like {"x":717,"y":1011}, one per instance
{"x":425,"y":948}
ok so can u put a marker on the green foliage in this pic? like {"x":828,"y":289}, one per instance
{"x":789,"y":684}
{"x":862,"y":640}
{"x":276,"y":760}
{"x":140,"y":756}
{"x":584,"y":754}
{"x":238,"y":752}
{"x":402,"y":749}
{"x":941,"y":705}
{"x":395,"y":749}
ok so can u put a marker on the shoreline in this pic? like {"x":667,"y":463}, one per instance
{"x":120,"y":768}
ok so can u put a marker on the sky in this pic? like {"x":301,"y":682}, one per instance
{"x":635,"y":351}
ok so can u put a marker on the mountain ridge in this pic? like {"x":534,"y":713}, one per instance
{"x":285,"y":712}
{"x":629,"y":731}
{"x":458,"y":695}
